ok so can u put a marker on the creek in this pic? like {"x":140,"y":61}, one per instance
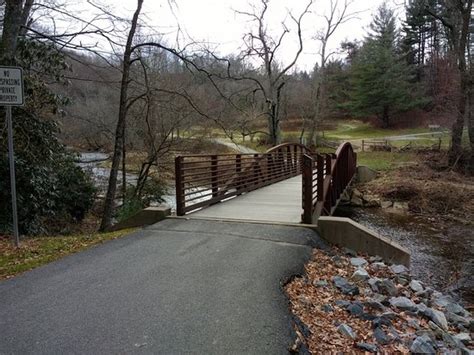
{"x":442,"y":253}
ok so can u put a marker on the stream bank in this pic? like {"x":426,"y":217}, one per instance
{"x":442,"y":256}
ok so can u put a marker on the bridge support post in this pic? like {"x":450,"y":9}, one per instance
{"x":214,"y":186}
{"x":178,"y":172}
{"x":308,"y":166}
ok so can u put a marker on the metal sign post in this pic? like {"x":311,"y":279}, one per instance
{"x":11,"y":94}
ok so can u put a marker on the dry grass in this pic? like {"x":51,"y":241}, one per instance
{"x":428,"y":189}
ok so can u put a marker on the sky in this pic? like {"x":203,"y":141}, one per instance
{"x":216,"y":24}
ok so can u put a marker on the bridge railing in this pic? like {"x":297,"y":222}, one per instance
{"x":203,"y":180}
{"x":325,"y":177}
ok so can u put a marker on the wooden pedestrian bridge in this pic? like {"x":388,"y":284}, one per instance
{"x":287,"y":184}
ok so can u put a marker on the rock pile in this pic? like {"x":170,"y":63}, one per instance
{"x":362,"y":304}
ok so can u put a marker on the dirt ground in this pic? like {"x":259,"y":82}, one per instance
{"x":430,"y":187}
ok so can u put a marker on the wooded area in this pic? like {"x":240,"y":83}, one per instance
{"x":142,"y":99}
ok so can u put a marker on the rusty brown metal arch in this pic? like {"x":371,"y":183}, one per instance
{"x":325,"y":177}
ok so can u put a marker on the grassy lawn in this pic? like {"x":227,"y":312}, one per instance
{"x":384,"y":160}
{"x":360,"y":130}
{"x":37,"y":251}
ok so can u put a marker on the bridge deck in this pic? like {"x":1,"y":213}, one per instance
{"x":280,"y":202}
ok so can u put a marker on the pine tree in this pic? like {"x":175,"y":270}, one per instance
{"x":382,"y":82}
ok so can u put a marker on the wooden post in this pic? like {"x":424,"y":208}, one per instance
{"x":307,"y":189}
{"x":362,"y":145}
{"x":214,"y":184}
{"x":178,"y":173}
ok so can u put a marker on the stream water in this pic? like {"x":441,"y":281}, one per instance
{"x":92,"y":163}
{"x":442,"y":258}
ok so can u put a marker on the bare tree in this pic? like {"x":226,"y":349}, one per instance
{"x":262,"y":46}
{"x":456,"y":20}
{"x":338,"y":14}
{"x":120,"y":130}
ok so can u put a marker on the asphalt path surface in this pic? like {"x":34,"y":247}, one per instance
{"x":179,"y":286}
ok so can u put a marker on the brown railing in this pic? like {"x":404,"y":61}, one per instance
{"x":203,"y":180}
{"x":325,"y":177}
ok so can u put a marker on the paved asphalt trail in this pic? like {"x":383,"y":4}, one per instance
{"x":179,"y":286}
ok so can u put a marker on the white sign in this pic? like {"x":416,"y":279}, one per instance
{"x":11,"y":86}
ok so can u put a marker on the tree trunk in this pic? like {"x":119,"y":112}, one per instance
{"x":470,"y":126}
{"x":385,"y":117}
{"x":11,"y":30}
{"x":119,"y":132}
{"x":459,"y":42}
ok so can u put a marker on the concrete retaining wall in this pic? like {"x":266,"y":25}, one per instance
{"x":145,"y":217}
{"x":345,"y":232}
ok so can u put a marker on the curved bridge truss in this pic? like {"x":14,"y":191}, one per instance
{"x":204,"y":180}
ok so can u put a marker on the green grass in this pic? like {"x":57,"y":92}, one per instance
{"x":37,"y":251}
{"x":361,"y":130}
{"x":384,"y":160}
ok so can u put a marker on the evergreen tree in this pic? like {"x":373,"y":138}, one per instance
{"x":382,"y":82}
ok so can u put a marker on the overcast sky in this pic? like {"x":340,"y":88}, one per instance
{"x":217,"y":23}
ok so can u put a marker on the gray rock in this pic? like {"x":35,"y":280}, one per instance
{"x":344,"y":286}
{"x":357,"y":193}
{"x":403,"y":303}
{"x":381,"y":337}
{"x":436,"y":316}
{"x":464,"y":338}
{"x":386,"y":204}
{"x":378,"y":266}
{"x":355,"y":309}
{"x":413,"y":323}
{"x":358,"y":262}
{"x":457,"y":320}
{"x":427,"y":333}
{"x":347,"y":331}
{"x":379,"y":321}
{"x":371,"y":348}
{"x":320,"y":283}
{"x":375,"y":258}
{"x":416,"y":286}
{"x":342,"y":303}
{"x":439,"y":319}
{"x":457,"y":309}
{"x":373,"y":284}
{"x":338,"y":260}
{"x":421,"y":308}
{"x":349,"y":252}
{"x":389,"y":315}
{"x":360,"y":275}
{"x":371,"y":201}
{"x":399,"y":269}
{"x":375,"y":305}
{"x":387,"y":287}
{"x":403,"y":279}
{"x":441,"y":300}
{"x":403,"y":206}
{"x":327,"y":308}
{"x":422,"y":345}
{"x":357,"y":201}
